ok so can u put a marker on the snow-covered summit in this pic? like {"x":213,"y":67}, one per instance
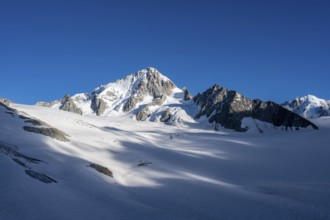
{"x":123,"y":88}
{"x":309,"y":106}
{"x":143,"y":94}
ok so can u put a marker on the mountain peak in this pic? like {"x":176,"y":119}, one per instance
{"x":150,"y":72}
{"x":151,"y":69}
{"x":309,"y":106}
{"x":137,"y":90}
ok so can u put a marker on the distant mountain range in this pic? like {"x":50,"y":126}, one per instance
{"x":148,"y":95}
{"x":309,"y":106}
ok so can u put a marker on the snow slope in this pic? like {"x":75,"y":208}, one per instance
{"x":309,"y":106}
{"x":161,"y":171}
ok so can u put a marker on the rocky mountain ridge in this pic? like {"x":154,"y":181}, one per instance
{"x":149,"y":95}
{"x":228,"y":108}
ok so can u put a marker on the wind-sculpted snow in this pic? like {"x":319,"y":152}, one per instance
{"x":161,"y":171}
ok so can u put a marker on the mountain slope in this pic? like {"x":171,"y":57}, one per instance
{"x":309,"y":106}
{"x":158,"y":171}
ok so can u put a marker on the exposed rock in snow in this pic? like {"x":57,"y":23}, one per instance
{"x":166,"y":115}
{"x":228,"y":108}
{"x":187,"y":95}
{"x":39,"y":126}
{"x":40,"y":176}
{"x":101,"y":169}
{"x":5,"y":101}
{"x":69,"y":105}
{"x":98,"y":105}
{"x":50,"y":132}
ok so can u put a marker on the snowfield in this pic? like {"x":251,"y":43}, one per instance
{"x":160,"y":171}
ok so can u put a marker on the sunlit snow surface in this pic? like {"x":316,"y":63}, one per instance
{"x":188,"y":173}
{"x":309,"y":107}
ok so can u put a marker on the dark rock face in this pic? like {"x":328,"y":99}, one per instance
{"x":166,"y":115}
{"x":98,"y":105}
{"x":156,"y":85}
{"x":131,"y":103}
{"x":101,"y":169}
{"x":69,"y":105}
{"x":187,"y":95}
{"x":228,"y":108}
{"x":143,"y":114}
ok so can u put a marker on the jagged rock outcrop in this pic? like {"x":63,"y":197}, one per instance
{"x":166,"y":115}
{"x":98,"y":105}
{"x":145,"y":112}
{"x":5,"y":101}
{"x":228,"y":108}
{"x":187,"y":95}
{"x":131,"y":103}
{"x":69,"y":105}
{"x":154,"y":84}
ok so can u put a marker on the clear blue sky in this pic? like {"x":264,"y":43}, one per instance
{"x":268,"y":49}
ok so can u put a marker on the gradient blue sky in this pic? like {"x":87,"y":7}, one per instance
{"x":268,"y":49}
